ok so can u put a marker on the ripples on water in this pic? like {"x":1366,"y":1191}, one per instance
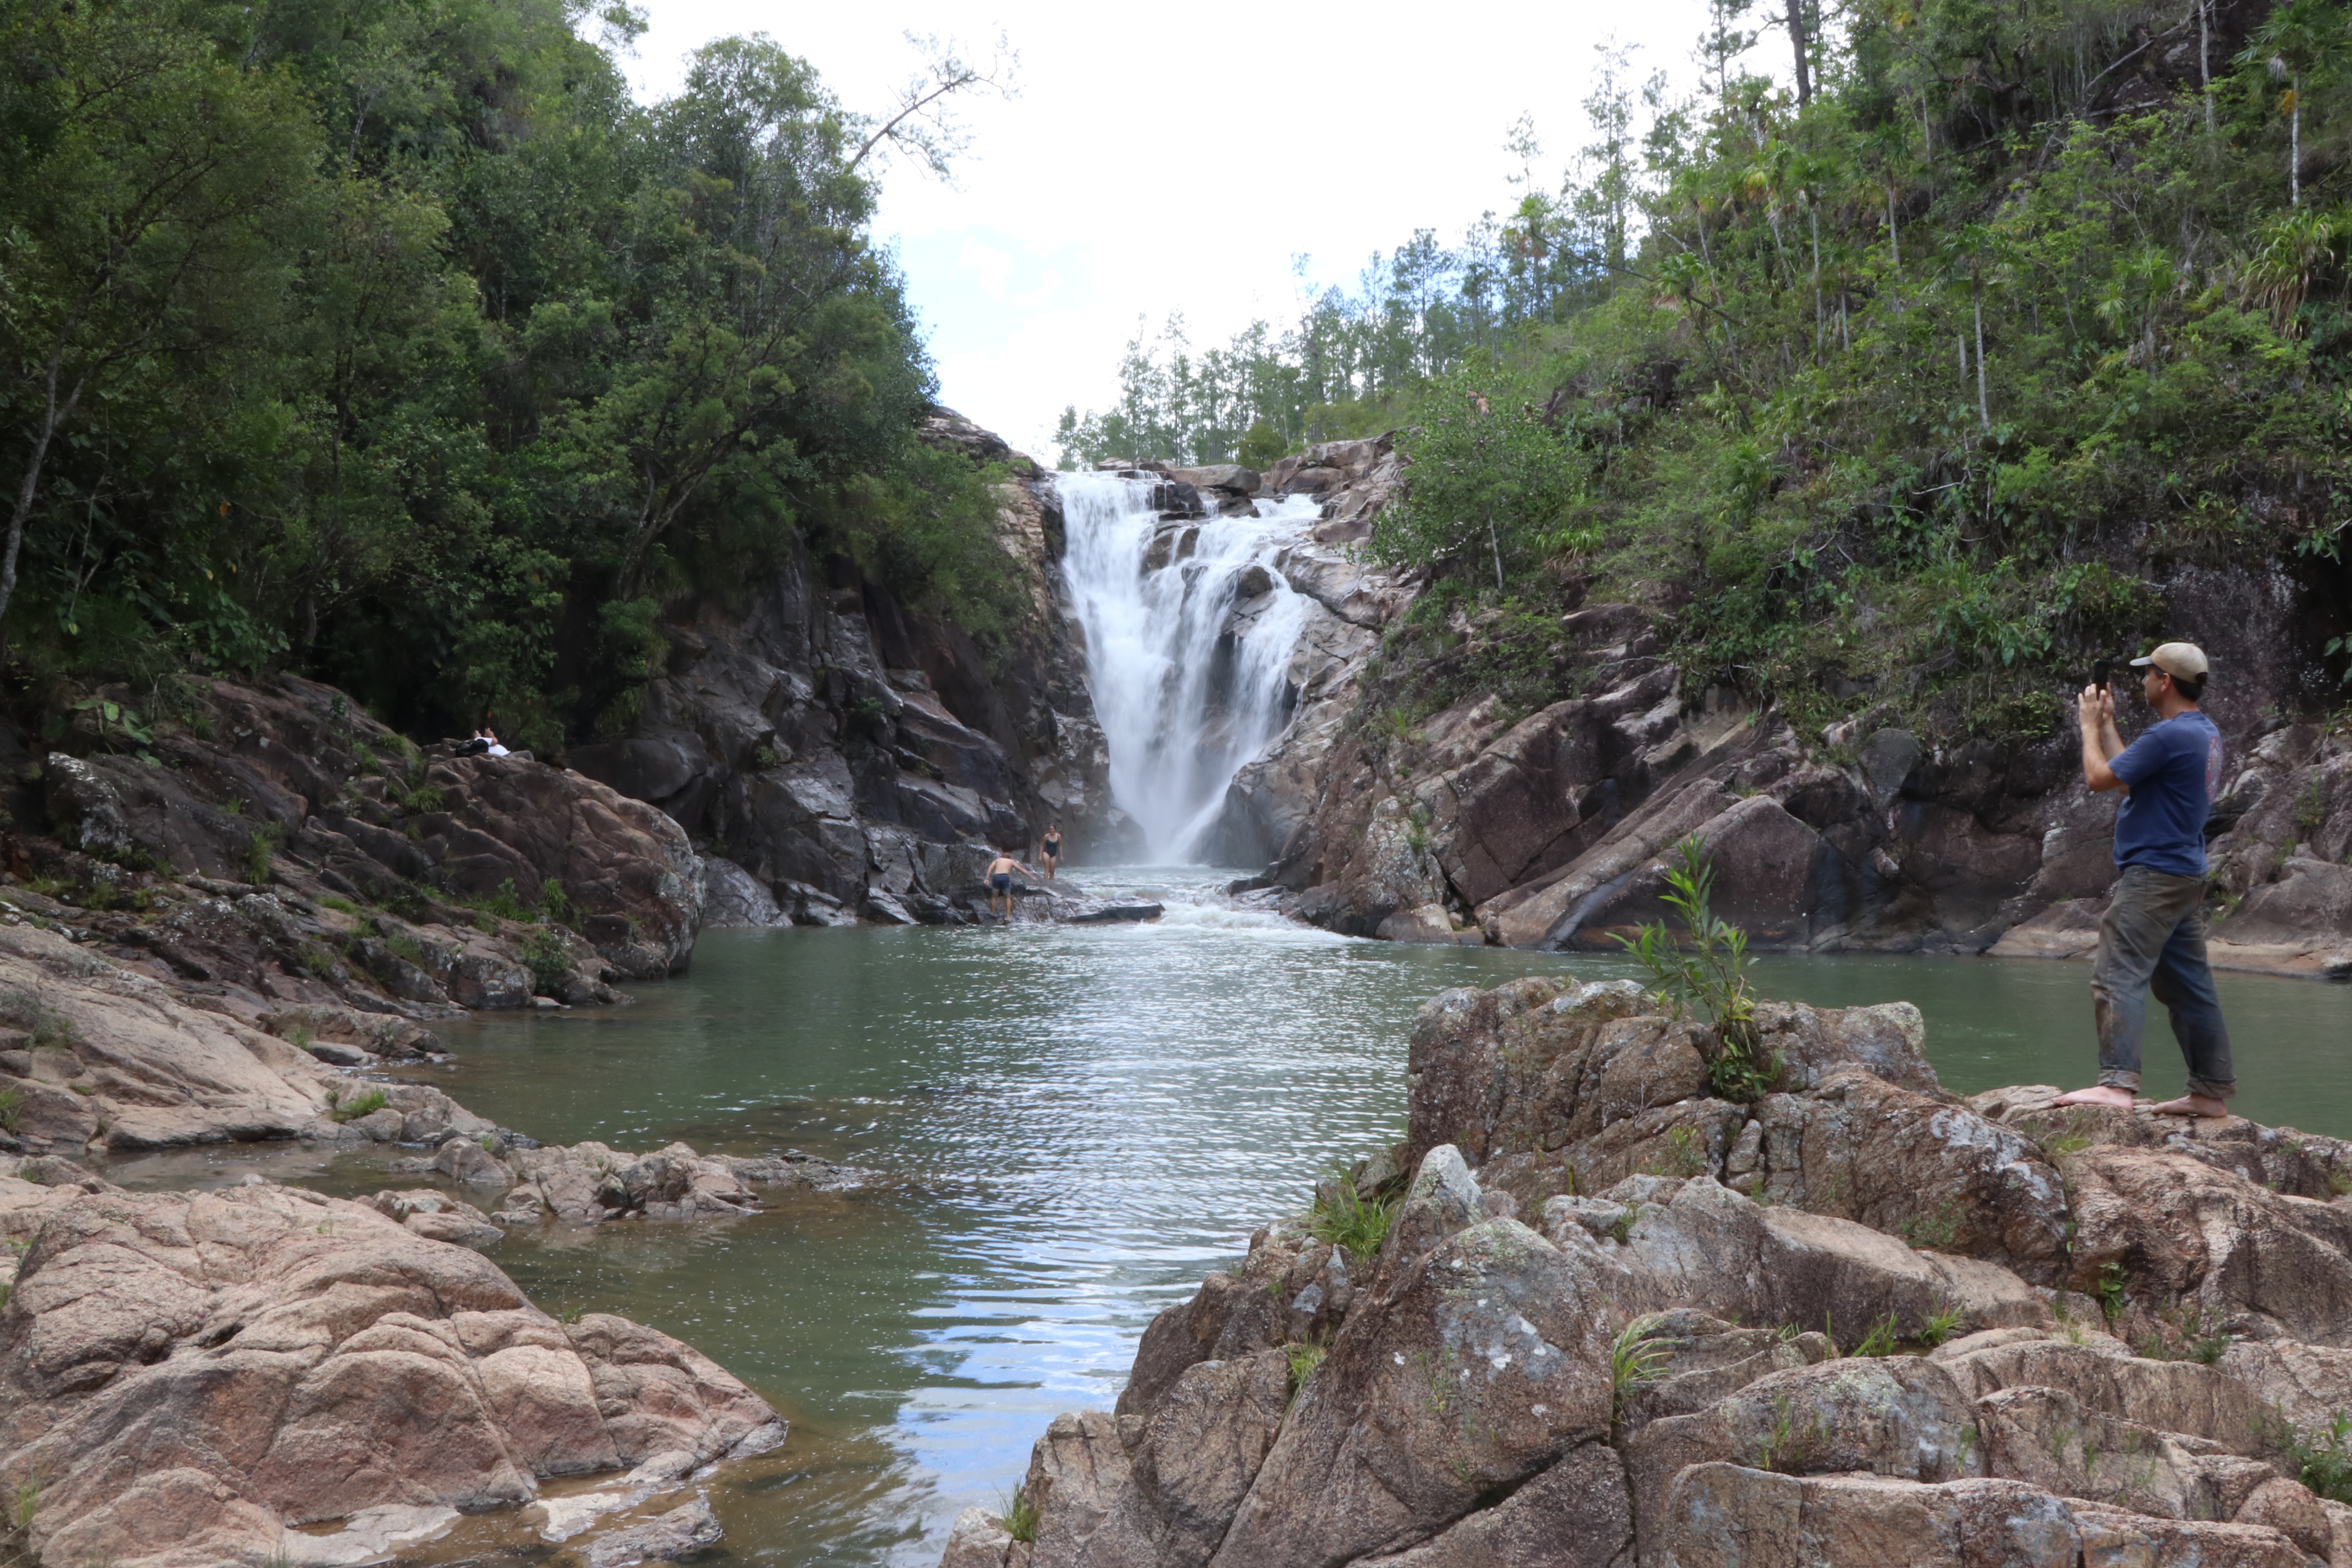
{"x":1076,"y":1123}
{"x":1087,"y":1118}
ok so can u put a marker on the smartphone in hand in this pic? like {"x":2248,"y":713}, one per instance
{"x":2102,"y":671}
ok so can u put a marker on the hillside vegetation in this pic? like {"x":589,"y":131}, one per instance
{"x":392,"y":342}
{"x":1923,"y":379}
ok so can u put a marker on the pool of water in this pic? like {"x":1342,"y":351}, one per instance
{"x":1074,"y":1125}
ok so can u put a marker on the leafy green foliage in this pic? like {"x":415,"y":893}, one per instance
{"x":398,"y":344}
{"x":1880,"y":1341}
{"x":260,"y":852}
{"x":1709,"y":972}
{"x":11,"y":1106}
{"x":545,"y":955}
{"x":2320,"y":1457}
{"x":1941,"y":1324}
{"x":2110,"y":1291}
{"x":1493,"y":486}
{"x":1304,"y":1359}
{"x":2185,"y":1333}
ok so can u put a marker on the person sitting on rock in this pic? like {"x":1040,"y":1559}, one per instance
{"x":491,"y":746}
{"x":2153,"y":937}
{"x":1050,"y":851}
{"x":1000,"y":882}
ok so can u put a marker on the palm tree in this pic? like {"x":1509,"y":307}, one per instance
{"x":2301,"y":39}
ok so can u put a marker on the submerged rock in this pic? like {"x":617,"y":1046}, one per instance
{"x":592,"y":1182}
{"x":1857,"y":1322}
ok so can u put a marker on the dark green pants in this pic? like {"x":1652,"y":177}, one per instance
{"x":2153,"y":940}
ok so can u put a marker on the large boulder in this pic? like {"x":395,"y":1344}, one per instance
{"x":509,"y":824}
{"x":1482,"y":1366}
{"x":1697,"y":1244}
{"x":2162,"y":1228}
{"x":1577,"y":1514}
{"x":1550,"y":1088}
{"x":1915,"y":1165}
{"x":137,"y":1069}
{"x":192,"y":1374}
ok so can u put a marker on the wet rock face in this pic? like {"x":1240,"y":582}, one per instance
{"x":850,"y":758}
{"x":190,"y":1373}
{"x":1885,"y":1354}
{"x":313,"y":859}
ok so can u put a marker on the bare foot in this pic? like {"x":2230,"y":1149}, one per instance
{"x":2099,"y":1094}
{"x":2191,"y":1105}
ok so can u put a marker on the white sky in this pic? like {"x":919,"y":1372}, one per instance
{"x":1177,"y":158}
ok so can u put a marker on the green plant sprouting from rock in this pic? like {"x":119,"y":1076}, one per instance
{"x":340,"y":1109}
{"x":2319,"y":1456}
{"x":1637,"y":1358}
{"x":1345,"y":1218}
{"x":1707,"y":971}
{"x":1020,"y":1515}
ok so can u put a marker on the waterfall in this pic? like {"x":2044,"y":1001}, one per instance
{"x":1190,"y":627}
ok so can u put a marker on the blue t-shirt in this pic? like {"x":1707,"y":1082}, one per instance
{"x":2173,"y":769}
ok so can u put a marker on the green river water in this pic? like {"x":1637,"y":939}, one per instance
{"x":1073,"y":1125}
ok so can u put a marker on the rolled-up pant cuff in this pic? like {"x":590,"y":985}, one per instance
{"x":2212,"y":1090}
{"x":2114,"y":1079}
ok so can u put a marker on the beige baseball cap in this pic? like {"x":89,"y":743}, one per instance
{"x":2184,"y":659}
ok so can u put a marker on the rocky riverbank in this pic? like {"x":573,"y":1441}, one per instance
{"x":1606,"y":1318}
{"x":188,"y":1375}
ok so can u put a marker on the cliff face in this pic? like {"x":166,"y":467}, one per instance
{"x":1591,"y":1314}
{"x":1480,"y":822}
{"x":844,"y":758}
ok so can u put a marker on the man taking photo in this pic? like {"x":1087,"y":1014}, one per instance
{"x":2153,"y":938}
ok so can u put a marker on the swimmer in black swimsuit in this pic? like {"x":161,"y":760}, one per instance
{"x":1050,"y":852}
{"x":1000,"y":882}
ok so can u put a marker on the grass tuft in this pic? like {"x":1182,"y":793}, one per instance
{"x":1021,"y":1515}
{"x":1636,"y":1359}
{"x":1349,"y":1220}
{"x":340,"y":1109}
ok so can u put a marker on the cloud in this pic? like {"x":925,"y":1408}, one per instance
{"x":988,"y":265}
{"x":1148,"y":167}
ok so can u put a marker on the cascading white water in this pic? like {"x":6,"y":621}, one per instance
{"x":1186,"y":661}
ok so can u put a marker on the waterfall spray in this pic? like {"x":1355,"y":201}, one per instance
{"x":1188,"y":647}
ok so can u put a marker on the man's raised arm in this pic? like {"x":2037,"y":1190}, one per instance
{"x":2101,"y":740}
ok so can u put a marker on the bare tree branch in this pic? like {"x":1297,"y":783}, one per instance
{"x":921,"y":125}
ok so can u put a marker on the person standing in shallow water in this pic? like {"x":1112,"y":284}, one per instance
{"x":1000,"y":882}
{"x":2153,"y":936}
{"x":1050,"y":851}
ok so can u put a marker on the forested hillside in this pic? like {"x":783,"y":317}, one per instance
{"x":1926,"y":376}
{"x":393,"y":342}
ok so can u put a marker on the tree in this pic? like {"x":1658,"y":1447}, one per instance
{"x":2300,"y":41}
{"x":1604,"y":200}
{"x":156,"y":185}
{"x":1492,"y":484}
